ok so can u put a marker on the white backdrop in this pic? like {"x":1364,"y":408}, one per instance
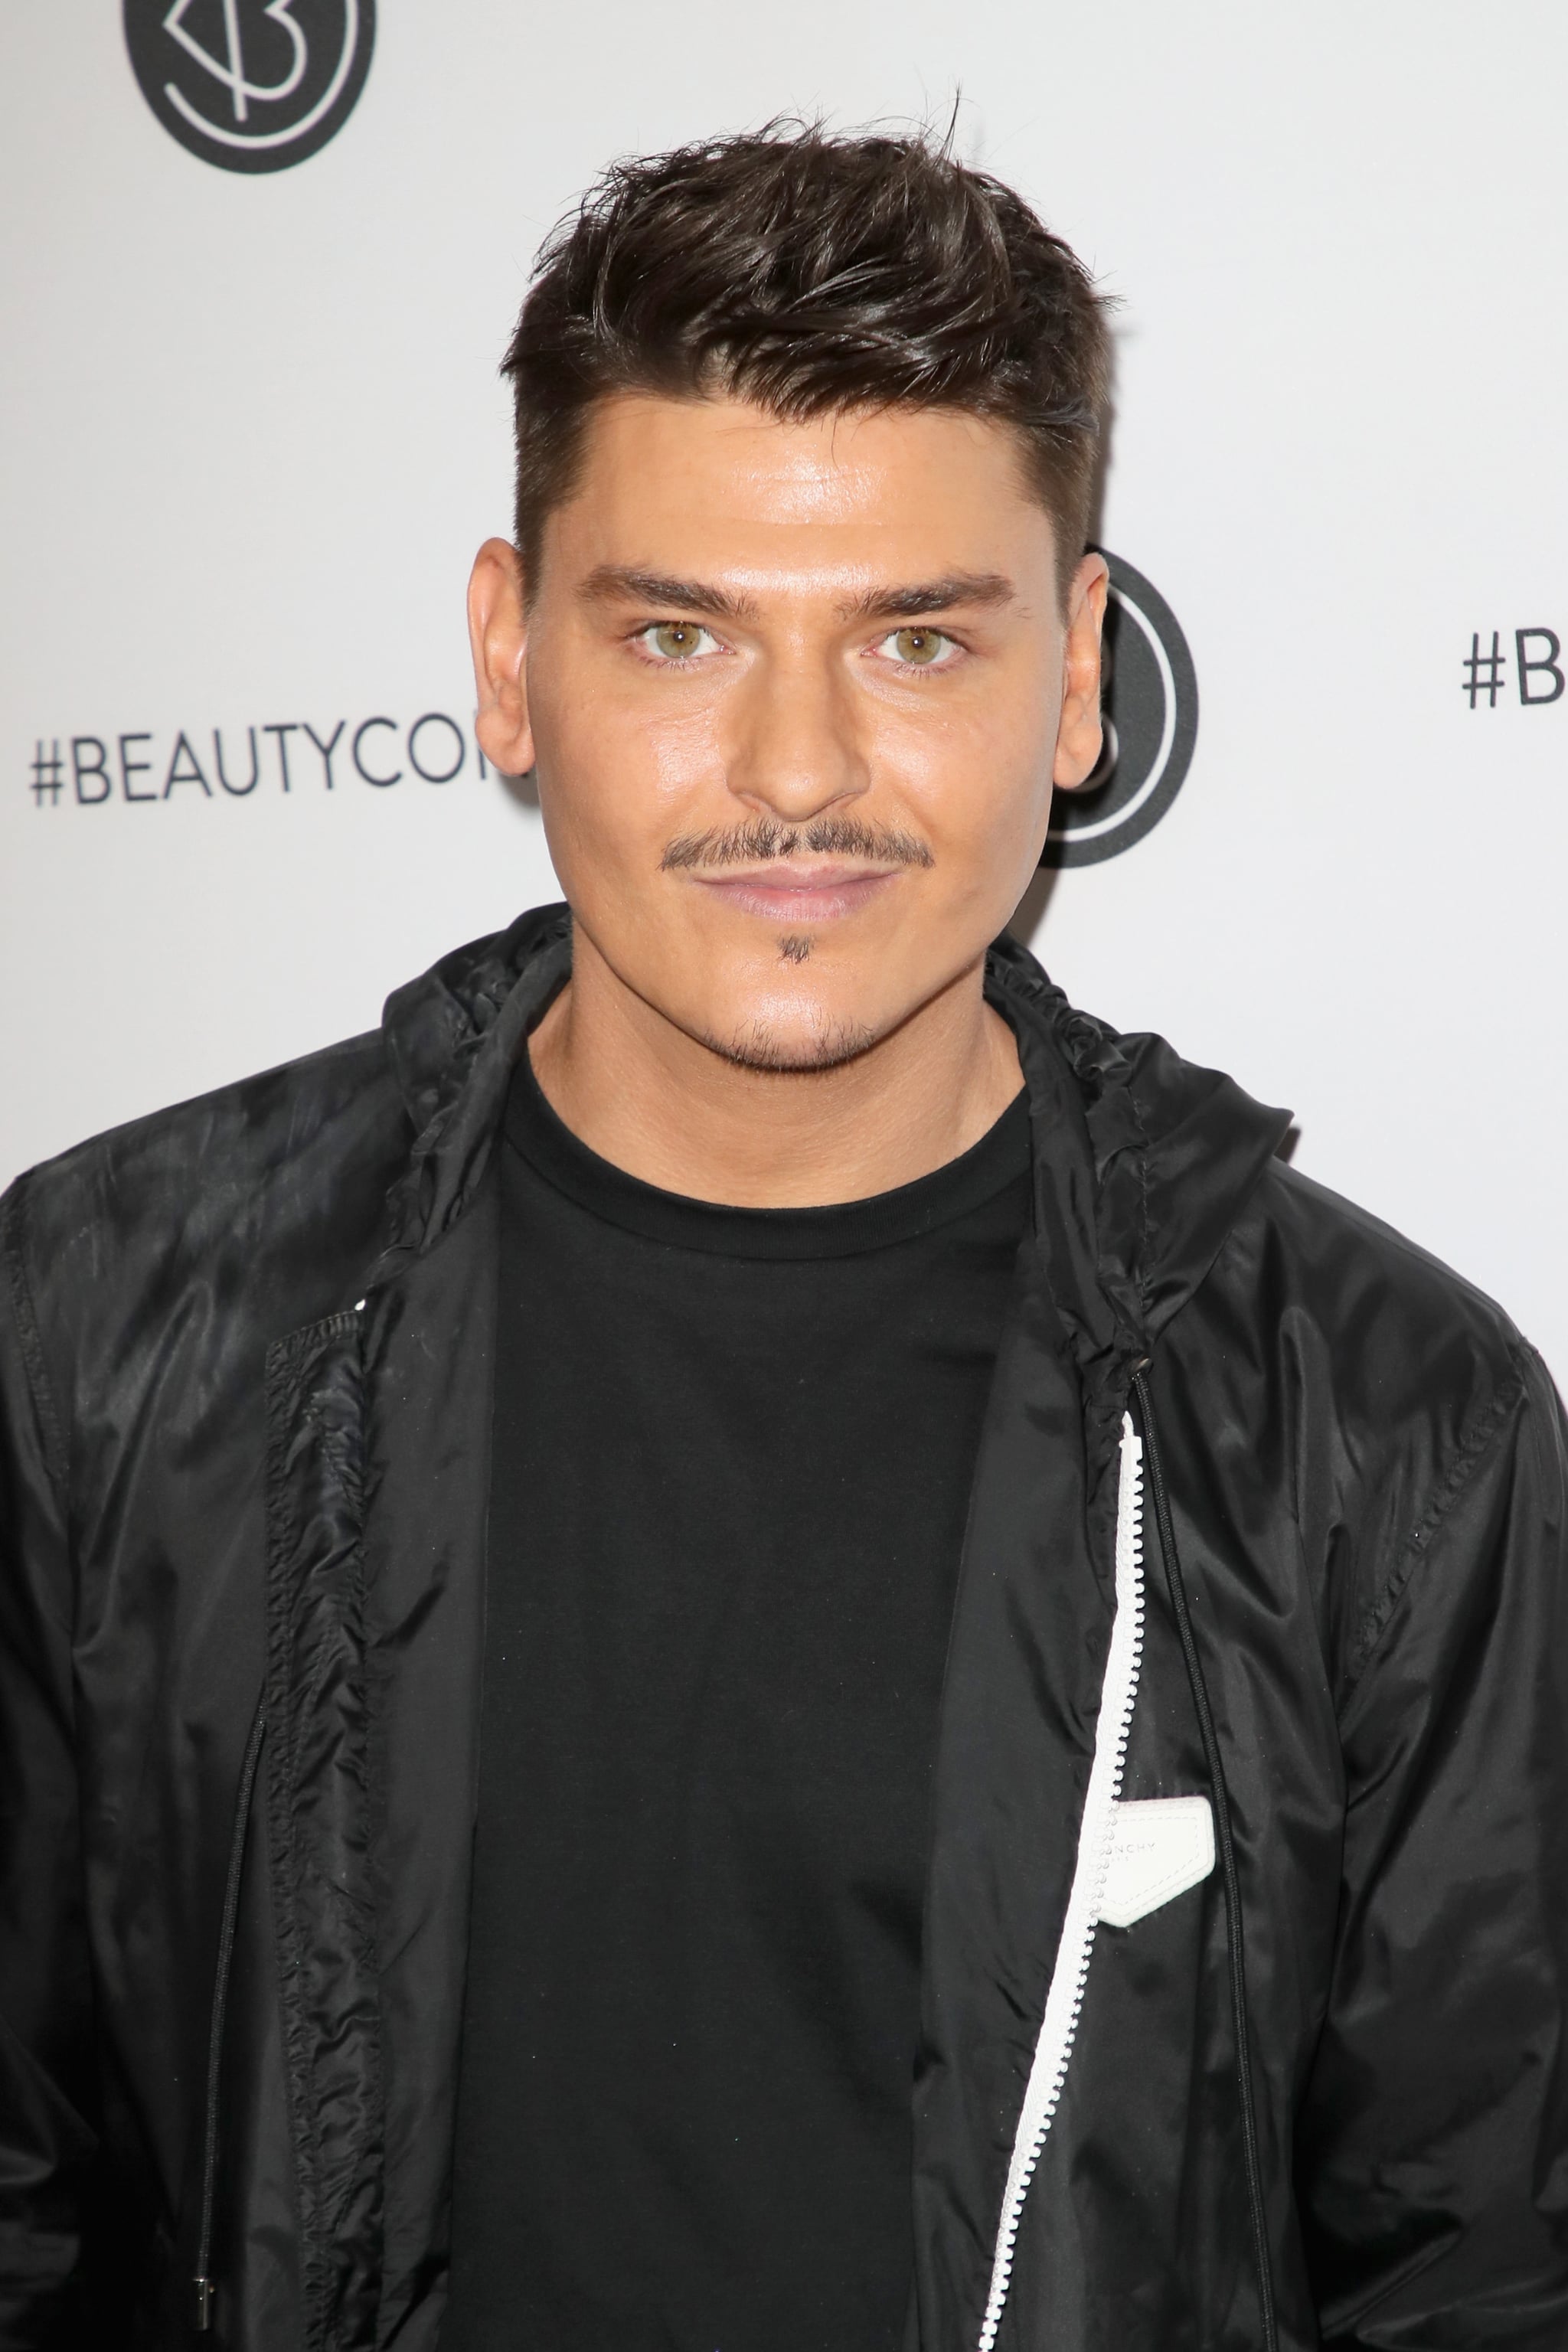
{"x":253,"y":432}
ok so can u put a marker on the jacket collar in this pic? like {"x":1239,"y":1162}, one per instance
{"x":1142,"y":1162}
{"x":453,"y":1036}
{"x":1162,"y":1154}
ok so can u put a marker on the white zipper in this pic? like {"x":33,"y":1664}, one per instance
{"x":1065,"y":1998}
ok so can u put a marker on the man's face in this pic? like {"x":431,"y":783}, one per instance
{"x":795,"y":695}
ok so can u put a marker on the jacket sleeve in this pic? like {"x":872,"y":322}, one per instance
{"x":46,"y":2141}
{"x":1432,"y":2161}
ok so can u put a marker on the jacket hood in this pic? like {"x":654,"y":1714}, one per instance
{"x":1143,"y":1160}
{"x":1172,"y":1152}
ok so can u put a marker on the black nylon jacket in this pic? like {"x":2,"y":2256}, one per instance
{"x":244,"y":1369}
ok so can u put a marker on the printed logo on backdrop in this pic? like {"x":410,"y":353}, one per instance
{"x":251,"y":85}
{"x":1151,"y":710}
{"x":1539,"y":670}
{"x":194,"y":764}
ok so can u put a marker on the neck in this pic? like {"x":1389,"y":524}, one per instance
{"x":653,"y":1101}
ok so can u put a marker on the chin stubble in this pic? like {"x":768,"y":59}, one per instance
{"x":755,"y":1046}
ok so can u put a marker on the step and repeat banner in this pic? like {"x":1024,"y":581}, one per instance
{"x":261,"y":257}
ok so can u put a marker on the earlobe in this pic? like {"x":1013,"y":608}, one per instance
{"x":498,"y":638}
{"x":1076,"y":763}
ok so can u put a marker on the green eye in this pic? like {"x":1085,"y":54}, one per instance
{"x":675,"y":640}
{"x":921,"y":648}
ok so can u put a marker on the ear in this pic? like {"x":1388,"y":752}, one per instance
{"x":498,"y":636}
{"x":1079,"y":732}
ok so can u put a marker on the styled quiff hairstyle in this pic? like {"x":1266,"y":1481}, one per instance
{"x":812,"y":274}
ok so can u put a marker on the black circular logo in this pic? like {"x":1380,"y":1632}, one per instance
{"x":1151,"y":704}
{"x":251,"y":85}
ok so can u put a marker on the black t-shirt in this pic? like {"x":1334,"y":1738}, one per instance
{"x":732,"y":1457}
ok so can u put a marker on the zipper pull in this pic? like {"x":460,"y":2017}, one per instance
{"x":202,"y":2311}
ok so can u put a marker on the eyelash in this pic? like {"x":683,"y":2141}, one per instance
{"x":952,"y":644}
{"x":640,"y":637}
{"x":685,"y":661}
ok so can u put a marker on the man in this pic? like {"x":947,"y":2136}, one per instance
{"x":744,"y":1638}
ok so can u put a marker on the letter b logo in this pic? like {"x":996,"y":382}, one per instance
{"x":252,"y":84}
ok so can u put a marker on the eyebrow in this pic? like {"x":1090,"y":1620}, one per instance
{"x":619,"y":582}
{"x":904,"y":603}
{"x":613,"y":582}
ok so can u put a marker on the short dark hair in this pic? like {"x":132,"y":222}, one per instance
{"x":811,"y":273}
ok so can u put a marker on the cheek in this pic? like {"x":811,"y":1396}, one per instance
{"x":612,"y":796}
{"x":978,"y":780}
{"x":637,"y":767}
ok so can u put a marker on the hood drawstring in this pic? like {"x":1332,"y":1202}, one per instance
{"x":1220,"y":1796}
{"x":202,"y":2281}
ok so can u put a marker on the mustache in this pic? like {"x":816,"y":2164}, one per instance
{"x":761,"y":838}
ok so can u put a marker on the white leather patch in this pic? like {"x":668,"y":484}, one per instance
{"x":1159,"y":1847}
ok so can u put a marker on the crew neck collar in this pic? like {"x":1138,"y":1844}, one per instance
{"x":840,"y":1229}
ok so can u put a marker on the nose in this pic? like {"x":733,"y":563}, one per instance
{"x":795,"y":745}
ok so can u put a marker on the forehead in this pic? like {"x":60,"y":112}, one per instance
{"x":668,"y":483}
